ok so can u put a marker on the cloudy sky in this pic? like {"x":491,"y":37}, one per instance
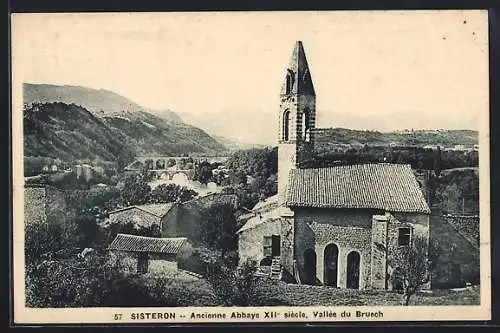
{"x":371,"y":70}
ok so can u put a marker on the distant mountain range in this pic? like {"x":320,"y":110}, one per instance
{"x":76,"y":123}
{"x":261,"y":127}
{"x":326,"y":138}
{"x":100,"y":102}
{"x":73,"y":122}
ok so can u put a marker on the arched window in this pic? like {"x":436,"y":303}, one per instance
{"x":331,"y":254}
{"x":306,"y":131}
{"x":353,"y":260}
{"x":286,"y":125}
{"x":289,"y":81}
{"x":309,"y":266}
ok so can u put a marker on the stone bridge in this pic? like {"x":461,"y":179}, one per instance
{"x":168,"y":166}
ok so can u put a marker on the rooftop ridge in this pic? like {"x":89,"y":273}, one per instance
{"x":150,"y":237}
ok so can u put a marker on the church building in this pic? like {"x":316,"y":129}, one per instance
{"x":332,"y":226}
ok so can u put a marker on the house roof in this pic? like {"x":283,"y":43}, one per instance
{"x":392,"y":187}
{"x":257,"y":221}
{"x":133,"y":243}
{"x":158,"y":210}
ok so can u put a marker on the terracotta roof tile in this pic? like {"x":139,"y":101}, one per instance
{"x":158,"y":210}
{"x":392,"y":187}
{"x":133,"y":243}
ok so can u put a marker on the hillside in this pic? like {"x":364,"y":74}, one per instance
{"x":70,"y":132}
{"x":233,"y":144}
{"x":99,"y":102}
{"x":444,"y":138}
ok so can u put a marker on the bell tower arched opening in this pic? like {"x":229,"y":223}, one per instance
{"x":286,"y":125}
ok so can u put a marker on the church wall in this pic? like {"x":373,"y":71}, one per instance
{"x":349,"y":229}
{"x":420,"y":227}
{"x":339,"y":217}
{"x":304,"y":240}
{"x":287,"y":244}
{"x":286,"y":162}
{"x":420,"y":222}
{"x":251,"y":241}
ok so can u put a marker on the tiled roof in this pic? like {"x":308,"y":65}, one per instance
{"x":132,"y":243}
{"x":158,"y":210}
{"x":258,"y":221}
{"x":392,"y":187}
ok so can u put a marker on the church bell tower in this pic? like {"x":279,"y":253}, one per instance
{"x":296,"y":118}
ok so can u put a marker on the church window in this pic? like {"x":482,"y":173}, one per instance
{"x":404,"y":236}
{"x":286,"y":125}
{"x":289,"y":81}
{"x":306,"y":131}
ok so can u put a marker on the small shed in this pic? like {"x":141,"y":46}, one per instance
{"x":141,"y":254}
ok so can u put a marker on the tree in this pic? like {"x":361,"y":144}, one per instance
{"x":136,"y":190}
{"x":437,"y":162}
{"x":218,"y":227}
{"x":413,"y":265}
{"x":172,"y":193}
{"x":203,"y":172}
{"x":232,"y":285}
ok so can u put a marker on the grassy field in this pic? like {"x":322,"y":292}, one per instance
{"x":197,"y":292}
{"x":278,"y":293}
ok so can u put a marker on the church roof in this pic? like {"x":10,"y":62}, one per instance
{"x":392,"y":187}
{"x":300,"y":74}
{"x":133,"y":243}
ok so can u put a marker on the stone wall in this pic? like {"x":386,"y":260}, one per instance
{"x":160,"y":264}
{"x":419,"y":225}
{"x":458,"y":260}
{"x":40,"y":200}
{"x":348,"y":229}
{"x":34,"y":205}
{"x":467,"y":225}
{"x":287,"y":245}
{"x":379,"y":252}
{"x":127,"y":262}
{"x":251,"y":241}
{"x":123,"y":261}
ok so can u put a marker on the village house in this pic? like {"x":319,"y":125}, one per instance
{"x":184,"y":219}
{"x":140,"y":254}
{"x":140,"y":215}
{"x":333,"y":226}
{"x":173,"y":219}
{"x":37,"y":199}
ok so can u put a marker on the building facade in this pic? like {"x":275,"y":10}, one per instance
{"x":333,"y":226}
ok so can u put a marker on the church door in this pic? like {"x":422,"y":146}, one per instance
{"x":309,"y":266}
{"x":353,"y":270}
{"x":331,"y":262}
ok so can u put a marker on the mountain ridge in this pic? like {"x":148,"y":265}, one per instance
{"x":104,"y":103}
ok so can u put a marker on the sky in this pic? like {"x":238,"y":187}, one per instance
{"x":371,"y":70}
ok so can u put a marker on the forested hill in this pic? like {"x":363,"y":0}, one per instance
{"x":443,"y":138}
{"x":70,"y":132}
{"x":99,"y":102}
